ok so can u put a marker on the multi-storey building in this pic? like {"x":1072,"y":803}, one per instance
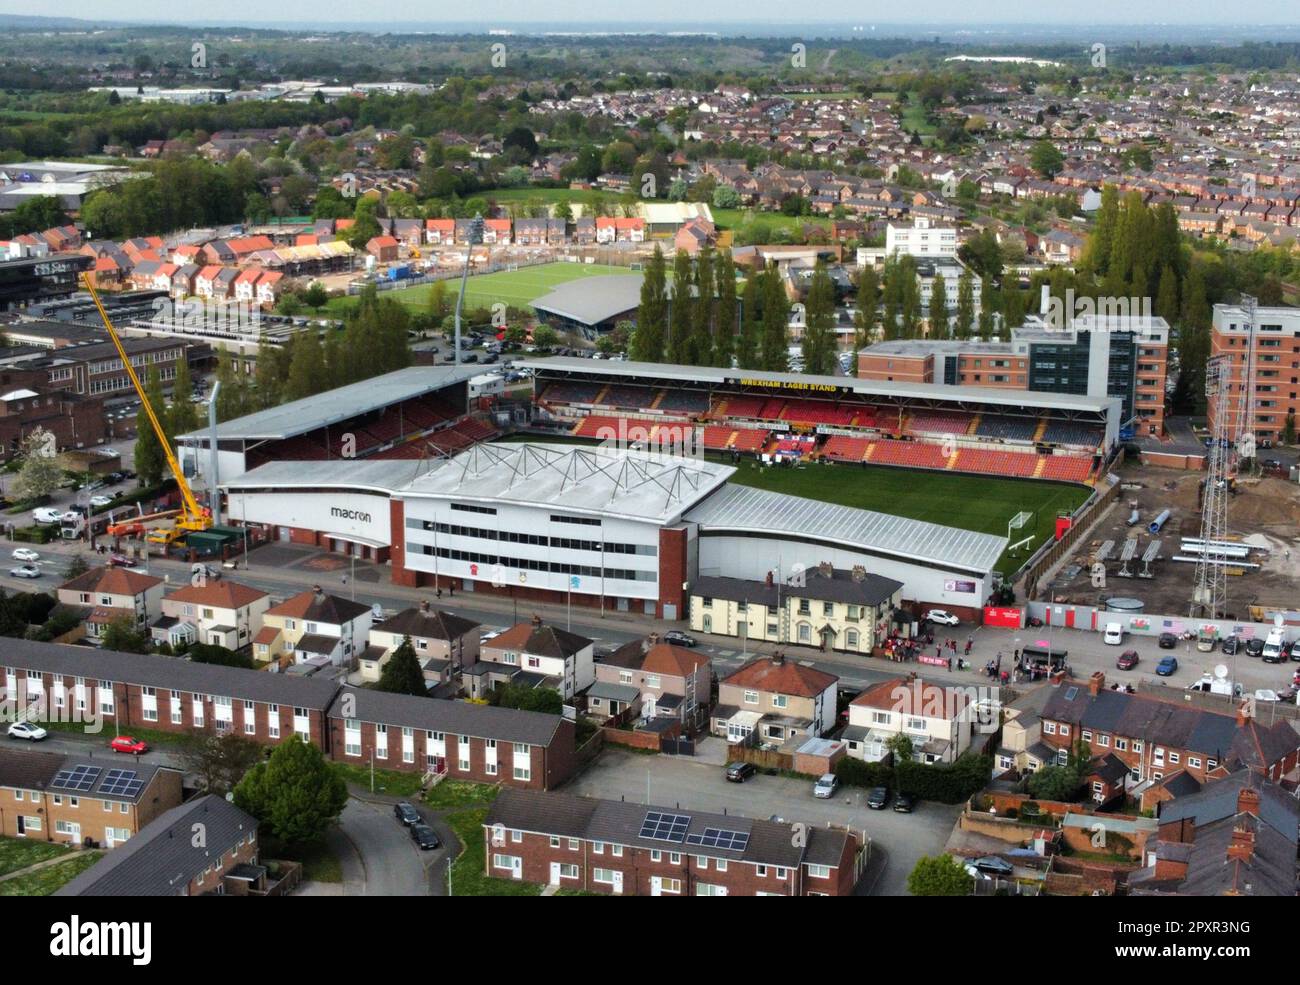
{"x":621,"y":848}
{"x":1265,"y":357}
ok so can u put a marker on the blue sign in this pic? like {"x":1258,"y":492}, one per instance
{"x":574,"y":581}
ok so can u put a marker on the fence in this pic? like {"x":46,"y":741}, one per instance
{"x":764,"y":759}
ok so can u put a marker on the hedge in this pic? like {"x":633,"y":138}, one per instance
{"x":37,"y":535}
{"x":946,"y":783}
{"x":859,"y":773}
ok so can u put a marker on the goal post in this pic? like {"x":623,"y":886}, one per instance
{"x":1018,"y":522}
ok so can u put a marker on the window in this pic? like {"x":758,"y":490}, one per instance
{"x":675,"y":858}
{"x":616,"y":851}
{"x":568,"y":870}
{"x":555,"y":841}
{"x":779,"y":701}
{"x":606,"y":877}
{"x":762,"y":871}
{"x":598,"y":848}
{"x":1049,"y":728}
{"x":1175,"y":757}
{"x":1194,"y":762}
{"x":751,"y":697}
{"x":656,"y":855}
{"x":720,"y":865}
{"x":670,"y":885}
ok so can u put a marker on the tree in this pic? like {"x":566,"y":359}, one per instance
{"x":520,"y":138}
{"x":901,"y":746}
{"x":306,"y":366}
{"x":724,"y":333}
{"x":748,"y":354}
{"x":938,"y":313}
{"x":521,"y":696}
{"x":818,"y":347}
{"x":183,"y":416}
{"x":213,"y":653}
{"x":402,"y":673}
{"x":545,"y":337}
{"x":679,"y":313}
{"x":77,"y":567}
{"x":295,"y":795}
{"x":121,"y":634}
{"x":1046,"y":159}
{"x":700,"y":348}
{"x":965,"y":304}
{"x":939,"y":875}
{"x":219,"y":761}
{"x":652,"y":313}
{"x":39,"y":474}
{"x":150,"y":461}
{"x":774,"y":341}
{"x":726,"y":197}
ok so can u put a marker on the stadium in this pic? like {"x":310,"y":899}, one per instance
{"x":793,"y":471}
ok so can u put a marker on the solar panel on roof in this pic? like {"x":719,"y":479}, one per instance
{"x":78,"y":778}
{"x":1070,"y":692}
{"x":121,"y":783}
{"x":658,"y":826}
{"x":735,"y":841}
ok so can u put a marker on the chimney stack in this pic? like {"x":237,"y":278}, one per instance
{"x":826,"y":569}
{"x":424,"y":605}
{"x":1242,"y":846}
{"x":317,"y":590}
{"x":1248,"y":801}
{"x":768,"y":580}
{"x":1057,"y":677}
{"x":537,"y":620}
{"x":652,"y":639}
{"x":1096,"y":683}
{"x":859,"y":573}
{"x":778,"y":658}
{"x":1243,"y":714}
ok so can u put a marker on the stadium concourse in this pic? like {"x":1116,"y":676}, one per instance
{"x":782,"y":416}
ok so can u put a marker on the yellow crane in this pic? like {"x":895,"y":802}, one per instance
{"x":192,"y":517}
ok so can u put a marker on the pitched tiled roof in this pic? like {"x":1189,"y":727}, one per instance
{"x":434,"y":624}
{"x":441,"y":715}
{"x":319,"y":607}
{"x":545,"y":641}
{"x":785,"y":677}
{"x":111,"y":581}
{"x":162,"y":858}
{"x":219,"y":594}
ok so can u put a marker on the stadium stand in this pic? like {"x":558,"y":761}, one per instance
{"x":1070,"y":433}
{"x":572,"y":393}
{"x":631,"y":397}
{"x":916,"y":454}
{"x":739,"y":407}
{"x":771,"y":409}
{"x":937,"y":422}
{"x":842,"y":448}
{"x":816,"y":412}
{"x":750,"y":440}
{"x":717,"y":437}
{"x":683,"y":401}
{"x":1007,"y":428}
{"x":990,"y":462}
{"x":1070,"y":468}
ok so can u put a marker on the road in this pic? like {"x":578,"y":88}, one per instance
{"x":391,"y":864}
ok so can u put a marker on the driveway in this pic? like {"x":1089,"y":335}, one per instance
{"x":391,"y":865}
{"x":669,"y":781}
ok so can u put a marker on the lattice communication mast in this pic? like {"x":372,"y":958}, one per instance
{"x":1210,"y":594}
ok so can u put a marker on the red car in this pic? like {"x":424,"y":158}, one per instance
{"x":1127,"y":660}
{"x":128,"y":743}
{"x":121,"y":561}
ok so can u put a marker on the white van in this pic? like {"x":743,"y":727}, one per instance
{"x":44,"y":514}
{"x":1273,"y":653}
{"x":1113,"y":634}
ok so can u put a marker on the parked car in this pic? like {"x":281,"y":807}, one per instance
{"x":230,"y":564}
{"x":1113,"y":634}
{"x":405,"y":813}
{"x":740,"y":772}
{"x":942,"y":617}
{"x":878,"y":798}
{"x":28,"y":731}
{"x":1127,"y":660}
{"x":1254,"y":647}
{"x":377,"y":613}
{"x":45,"y":514}
{"x":825,"y":786}
{"x":1167,"y":641}
{"x":424,"y":837}
{"x":99,"y":502}
{"x":1230,"y":645}
{"x":25,"y":571}
{"x":121,"y":561}
{"x":678,"y":638}
{"x":128,"y":743}
{"x":25,"y":554}
{"x":904,"y":803}
{"x":1167,"y":667}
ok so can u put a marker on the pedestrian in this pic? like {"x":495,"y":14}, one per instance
{"x":949,"y":665}
{"x":967,"y":647}
{"x":439,"y":593}
{"x":938,"y":652}
{"x":1017,"y":656}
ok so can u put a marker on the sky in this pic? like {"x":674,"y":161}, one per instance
{"x":682,"y":13}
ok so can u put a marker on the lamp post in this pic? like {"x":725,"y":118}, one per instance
{"x":475,"y":237}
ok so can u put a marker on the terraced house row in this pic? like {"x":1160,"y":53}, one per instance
{"x":125,"y":691}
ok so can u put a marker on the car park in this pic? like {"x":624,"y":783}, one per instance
{"x":1127,"y":660}
{"x":28,"y":731}
{"x":25,"y":571}
{"x":942,"y":617}
{"x":825,"y":786}
{"x":405,"y":813}
{"x":878,"y":798}
{"x":424,"y":837}
{"x":740,"y":772}
{"x":25,"y":554}
{"x":1167,"y":667}
{"x":1167,"y":641}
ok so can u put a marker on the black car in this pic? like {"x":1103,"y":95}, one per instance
{"x":1231,"y":644}
{"x":678,"y":638}
{"x":1168,"y":641}
{"x":740,"y":772}
{"x":905,"y":803}
{"x":424,"y":837}
{"x":1254,"y":647}
{"x":878,"y":799}
{"x":405,"y":813}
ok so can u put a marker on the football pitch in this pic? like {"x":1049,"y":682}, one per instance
{"x":517,"y":288}
{"x":970,"y":502}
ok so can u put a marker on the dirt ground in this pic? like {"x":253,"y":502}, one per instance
{"x":1264,"y":514}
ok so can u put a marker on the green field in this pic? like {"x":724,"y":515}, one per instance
{"x":966,"y":501}
{"x":517,"y":288}
{"x":971,"y":502}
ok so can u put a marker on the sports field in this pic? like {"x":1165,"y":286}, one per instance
{"x":971,"y":502}
{"x":517,"y":288}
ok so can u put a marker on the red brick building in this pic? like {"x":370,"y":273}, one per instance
{"x":619,"y":848}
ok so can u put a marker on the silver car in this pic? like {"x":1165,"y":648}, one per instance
{"x":825,"y":786}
